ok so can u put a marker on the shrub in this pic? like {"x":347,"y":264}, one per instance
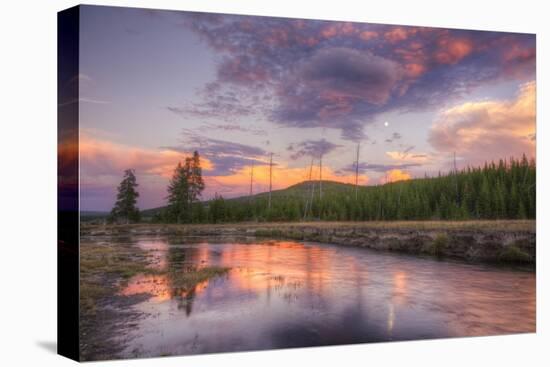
{"x":437,"y":246}
{"x":513,"y":254}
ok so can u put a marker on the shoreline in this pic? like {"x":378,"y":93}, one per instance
{"x":498,"y":241}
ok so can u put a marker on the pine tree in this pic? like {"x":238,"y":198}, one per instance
{"x":196,"y":182}
{"x":178,"y":195}
{"x":217,"y":209}
{"x":485,"y":209}
{"x":522,"y":213}
{"x":125,"y":206}
{"x":500,"y":200}
{"x":190,"y":184}
{"x":467,"y":200}
{"x":444,"y":207}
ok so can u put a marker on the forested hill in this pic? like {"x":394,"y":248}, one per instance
{"x":297,"y":191}
{"x":503,"y":190}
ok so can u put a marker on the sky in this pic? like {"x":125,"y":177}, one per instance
{"x":156,"y":85}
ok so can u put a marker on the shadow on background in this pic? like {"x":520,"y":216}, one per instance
{"x":50,"y":346}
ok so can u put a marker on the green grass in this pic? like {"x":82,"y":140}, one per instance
{"x":261,"y":229}
{"x":513,"y":254}
{"x":437,"y":246}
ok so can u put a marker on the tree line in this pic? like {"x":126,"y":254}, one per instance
{"x":183,"y":200}
{"x":501,"y":190}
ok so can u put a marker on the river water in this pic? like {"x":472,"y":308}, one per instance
{"x":281,"y":294}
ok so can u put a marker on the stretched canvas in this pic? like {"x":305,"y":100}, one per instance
{"x":234,"y":183}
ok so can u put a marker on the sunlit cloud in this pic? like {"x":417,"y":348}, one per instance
{"x":409,"y":156}
{"x":395,"y":175}
{"x":103,"y":157}
{"x":488,"y":130}
{"x":452,"y":50}
{"x":102,"y":163}
{"x":341,"y":75}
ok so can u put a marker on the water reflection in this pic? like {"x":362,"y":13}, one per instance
{"x":156,"y":285}
{"x":161,"y":288}
{"x":287,"y":294}
{"x":168,"y":257}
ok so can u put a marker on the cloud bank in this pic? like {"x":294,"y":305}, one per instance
{"x":342,"y":75}
{"x":487,"y":130}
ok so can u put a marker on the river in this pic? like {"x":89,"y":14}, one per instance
{"x":281,"y":294}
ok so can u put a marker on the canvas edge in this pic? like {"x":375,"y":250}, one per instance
{"x":68,"y":47}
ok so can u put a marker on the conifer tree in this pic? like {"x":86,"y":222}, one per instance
{"x":184,"y":191}
{"x":125,"y":206}
{"x":506,"y":189}
{"x":196,"y":182}
{"x":178,"y":195}
{"x":217,"y":209}
{"x":485,"y":199}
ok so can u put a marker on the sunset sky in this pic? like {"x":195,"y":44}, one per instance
{"x":156,"y":85}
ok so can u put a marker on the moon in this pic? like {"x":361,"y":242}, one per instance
{"x":386,"y":124}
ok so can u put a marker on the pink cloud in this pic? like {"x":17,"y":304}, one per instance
{"x":105,"y":158}
{"x":399,"y":34}
{"x":488,"y":130}
{"x":452,"y":50}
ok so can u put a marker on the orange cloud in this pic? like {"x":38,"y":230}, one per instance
{"x":103,"y":157}
{"x":488,"y":130}
{"x":395,"y":175}
{"x":409,"y":157}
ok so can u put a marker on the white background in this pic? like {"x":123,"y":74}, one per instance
{"x":28,"y":182}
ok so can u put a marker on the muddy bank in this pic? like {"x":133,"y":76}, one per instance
{"x":487,"y":241}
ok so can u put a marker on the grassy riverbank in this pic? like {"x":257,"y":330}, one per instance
{"x":510,"y":241}
{"x":498,"y":225}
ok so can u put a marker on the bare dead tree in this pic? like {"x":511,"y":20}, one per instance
{"x":309,"y":202}
{"x":251,"y":179}
{"x":357,"y":171}
{"x":321,"y":176}
{"x":270,"y":179}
